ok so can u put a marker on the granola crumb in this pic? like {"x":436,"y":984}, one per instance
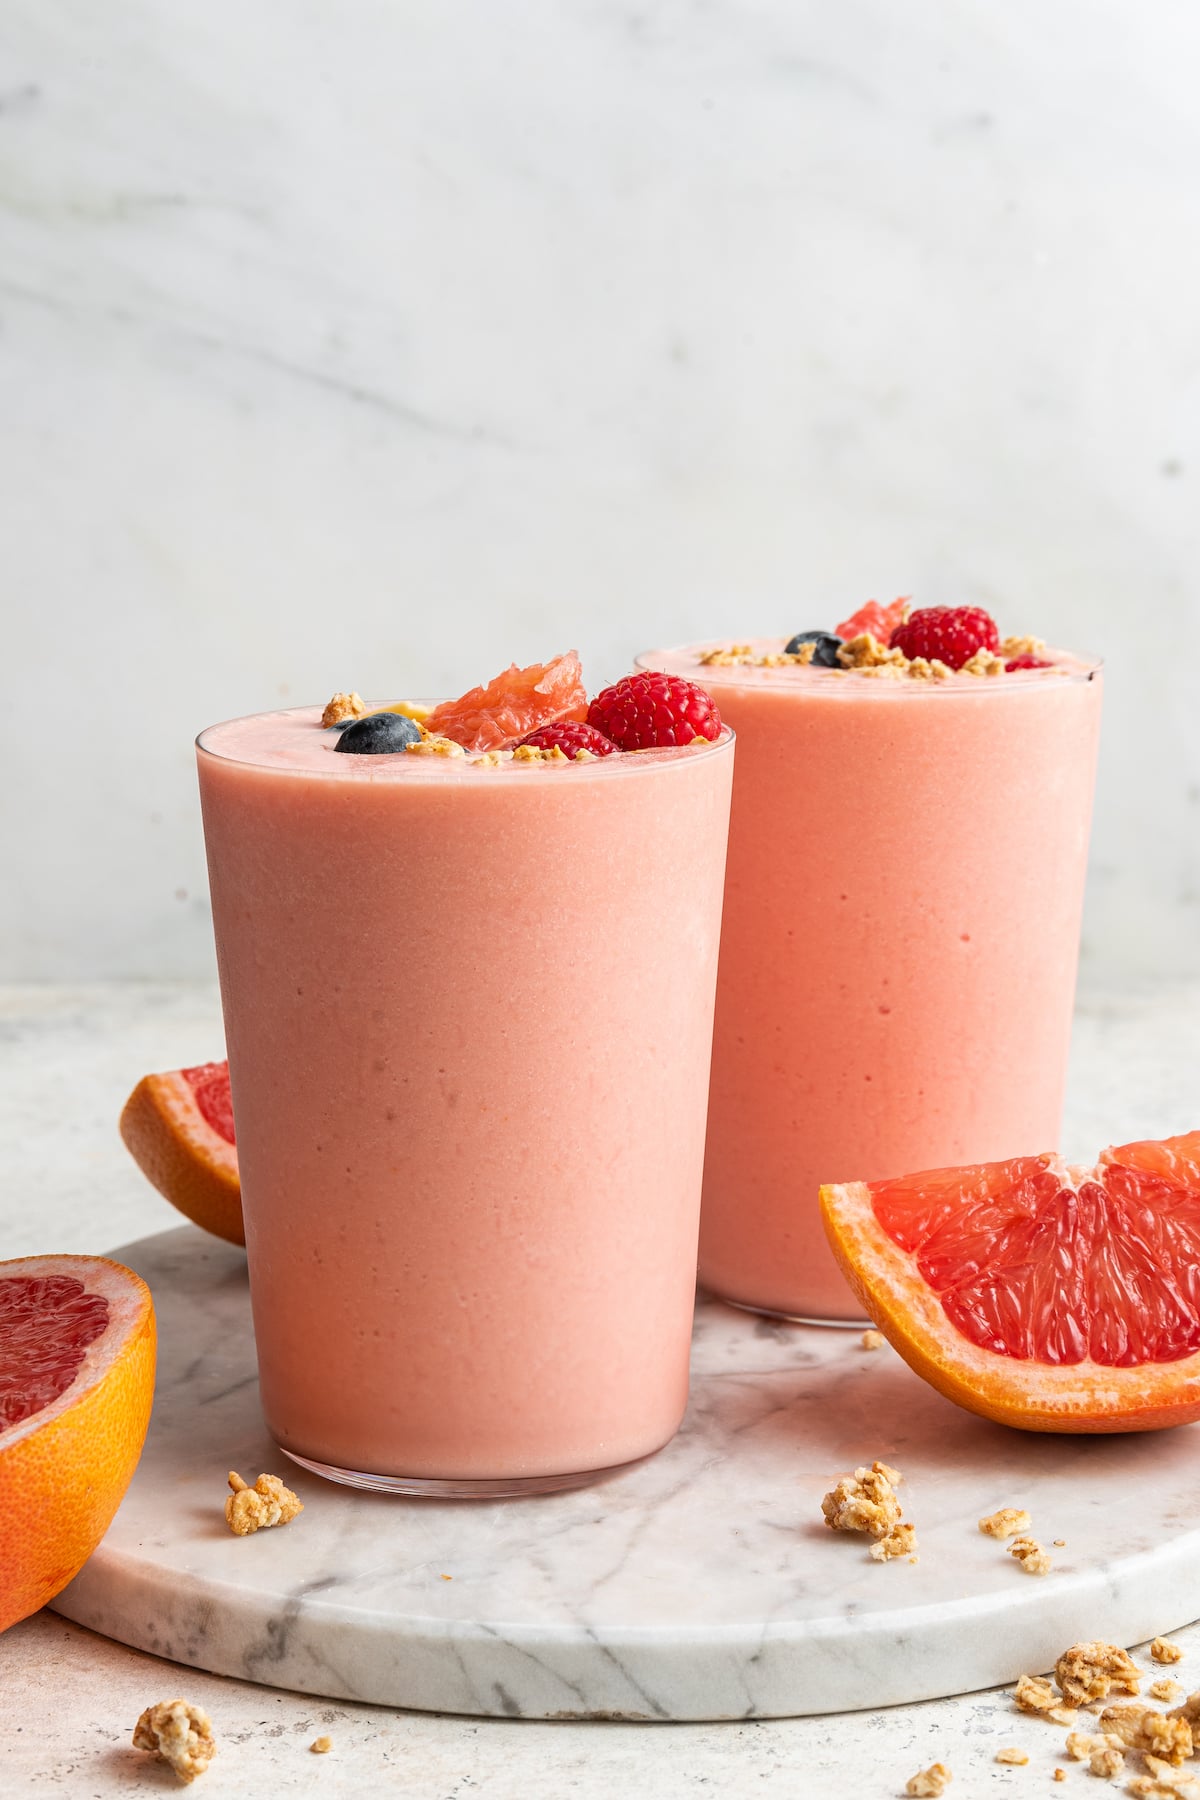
{"x":433,"y":744}
{"x":321,"y":1746}
{"x":873,"y":1340}
{"x":1123,"y":1722}
{"x":1060,"y":1774}
{"x":901,"y":1540}
{"x":495,"y":759}
{"x":864,"y":1501}
{"x":984,"y":662}
{"x":1093,"y":1670}
{"x":259,"y":1507}
{"x":1190,"y":1710}
{"x":1036,"y":1695}
{"x":1106,"y":1759}
{"x":1165,"y":1689}
{"x":1164,"y":1782}
{"x":343,"y":706}
{"x":1013,"y":647}
{"x":1012,"y":1755}
{"x":1010,"y":1521}
{"x":1166,"y":1737}
{"x":1162,"y":1650}
{"x":179,"y":1733}
{"x":929,"y":1783}
{"x":534,"y":753}
{"x":1059,"y":1543}
{"x":1030,"y":1555}
{"x":865,"y":652}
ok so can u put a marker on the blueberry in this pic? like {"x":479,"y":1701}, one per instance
{"x":379,"y":734}
{"x":826,"y":647}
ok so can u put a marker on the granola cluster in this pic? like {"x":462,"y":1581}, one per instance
{"x":259,"y":1507}
{"x":867,"y":1501}
{"x":180,"y":1734}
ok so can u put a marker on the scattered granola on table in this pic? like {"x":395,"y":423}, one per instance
{"x":1190,"y":1710}
{"x":873,"y":1340}
{"x":321,"y":1745}
{"x":928,"y":1783}
{"x":1010,"y":1754}
{"x":1165,"y":1689}
{"x":1093,"y":1670}
{"x":864,"y":1501}
{"x":259,"y":1507}
{"x":178,"y":1733}
{"x":1009,"y":1521}
{"x":1162,"y":1650}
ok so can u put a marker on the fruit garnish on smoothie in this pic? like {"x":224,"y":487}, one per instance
{"x":931,"y":643}
{"x":1044,"y":1296}
{"x":536,"y":714}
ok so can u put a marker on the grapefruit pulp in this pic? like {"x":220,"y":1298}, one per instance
{"x":178,"y":1127}
{"x":1043,"y":1296}
{"x":77,"y":1344}
{"x":513,"y":704}
{"x":880,"y":621}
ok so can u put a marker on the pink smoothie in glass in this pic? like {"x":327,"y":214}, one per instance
{"x":899,"y":946}
{"x":469,"y":1017}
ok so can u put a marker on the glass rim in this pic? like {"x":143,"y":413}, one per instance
{"x":594,"y":767}
{"x":729,"y":674}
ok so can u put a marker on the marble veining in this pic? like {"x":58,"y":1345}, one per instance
{"x":700,"y":1585}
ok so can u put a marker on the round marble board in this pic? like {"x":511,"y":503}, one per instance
{"x":701,"y":1584}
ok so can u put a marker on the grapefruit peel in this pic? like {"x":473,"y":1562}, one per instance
{"x":1084,"y":1395}
{"x":65,"y":1466}
{"x":185,"y":1151}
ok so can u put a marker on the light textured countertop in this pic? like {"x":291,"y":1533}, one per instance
{"x":68,"y":1700}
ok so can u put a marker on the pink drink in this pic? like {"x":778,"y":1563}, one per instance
{"x":469,"y":1019}
{"x":899,"y":946}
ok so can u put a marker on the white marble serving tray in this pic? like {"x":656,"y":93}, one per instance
{"x":699,"y":1585}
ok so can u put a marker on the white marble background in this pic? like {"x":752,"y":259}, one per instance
{"x":375,"y":344}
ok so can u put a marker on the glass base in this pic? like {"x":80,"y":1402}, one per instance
{"x":483,"y":1487}
{"x":771,"y":1312}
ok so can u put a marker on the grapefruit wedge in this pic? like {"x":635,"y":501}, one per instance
{"x":77,"y":1342}
{"x":178,"y":1127}
{"x":513,"y":704}
{"x":1040,"y":1295}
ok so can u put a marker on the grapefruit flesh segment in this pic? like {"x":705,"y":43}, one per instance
{"x":77,"y":1351}
{"x":880,"y":621}
{"x":178,"y":1127}
{"x":513,"y":704}
{"x":1041,"y":1295}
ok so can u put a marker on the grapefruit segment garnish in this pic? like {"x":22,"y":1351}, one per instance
{"x":178,"y":1126}
{"x":77,"y":1345}
{"x":879,"y":620}
{"x":514,"y":703}
{"x":1040,"y":1295}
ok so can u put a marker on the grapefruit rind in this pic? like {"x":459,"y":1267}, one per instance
{"x":1082,"y":1397}
{"x":65,"y":1469}
{"x":178,"y":1151}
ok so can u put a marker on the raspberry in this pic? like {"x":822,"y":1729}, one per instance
{"x":948,"y":634}
{"x":880,"y":621}
{"x":570,"y":735}
{"x":645,"y":711}
{"x":1027,"y":662}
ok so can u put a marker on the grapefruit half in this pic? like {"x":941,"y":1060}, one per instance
{"x":1043,"y":1296}
{"x":77,"y":1344}
{"x":178,"y":1127}
{"x":513,"y":704}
